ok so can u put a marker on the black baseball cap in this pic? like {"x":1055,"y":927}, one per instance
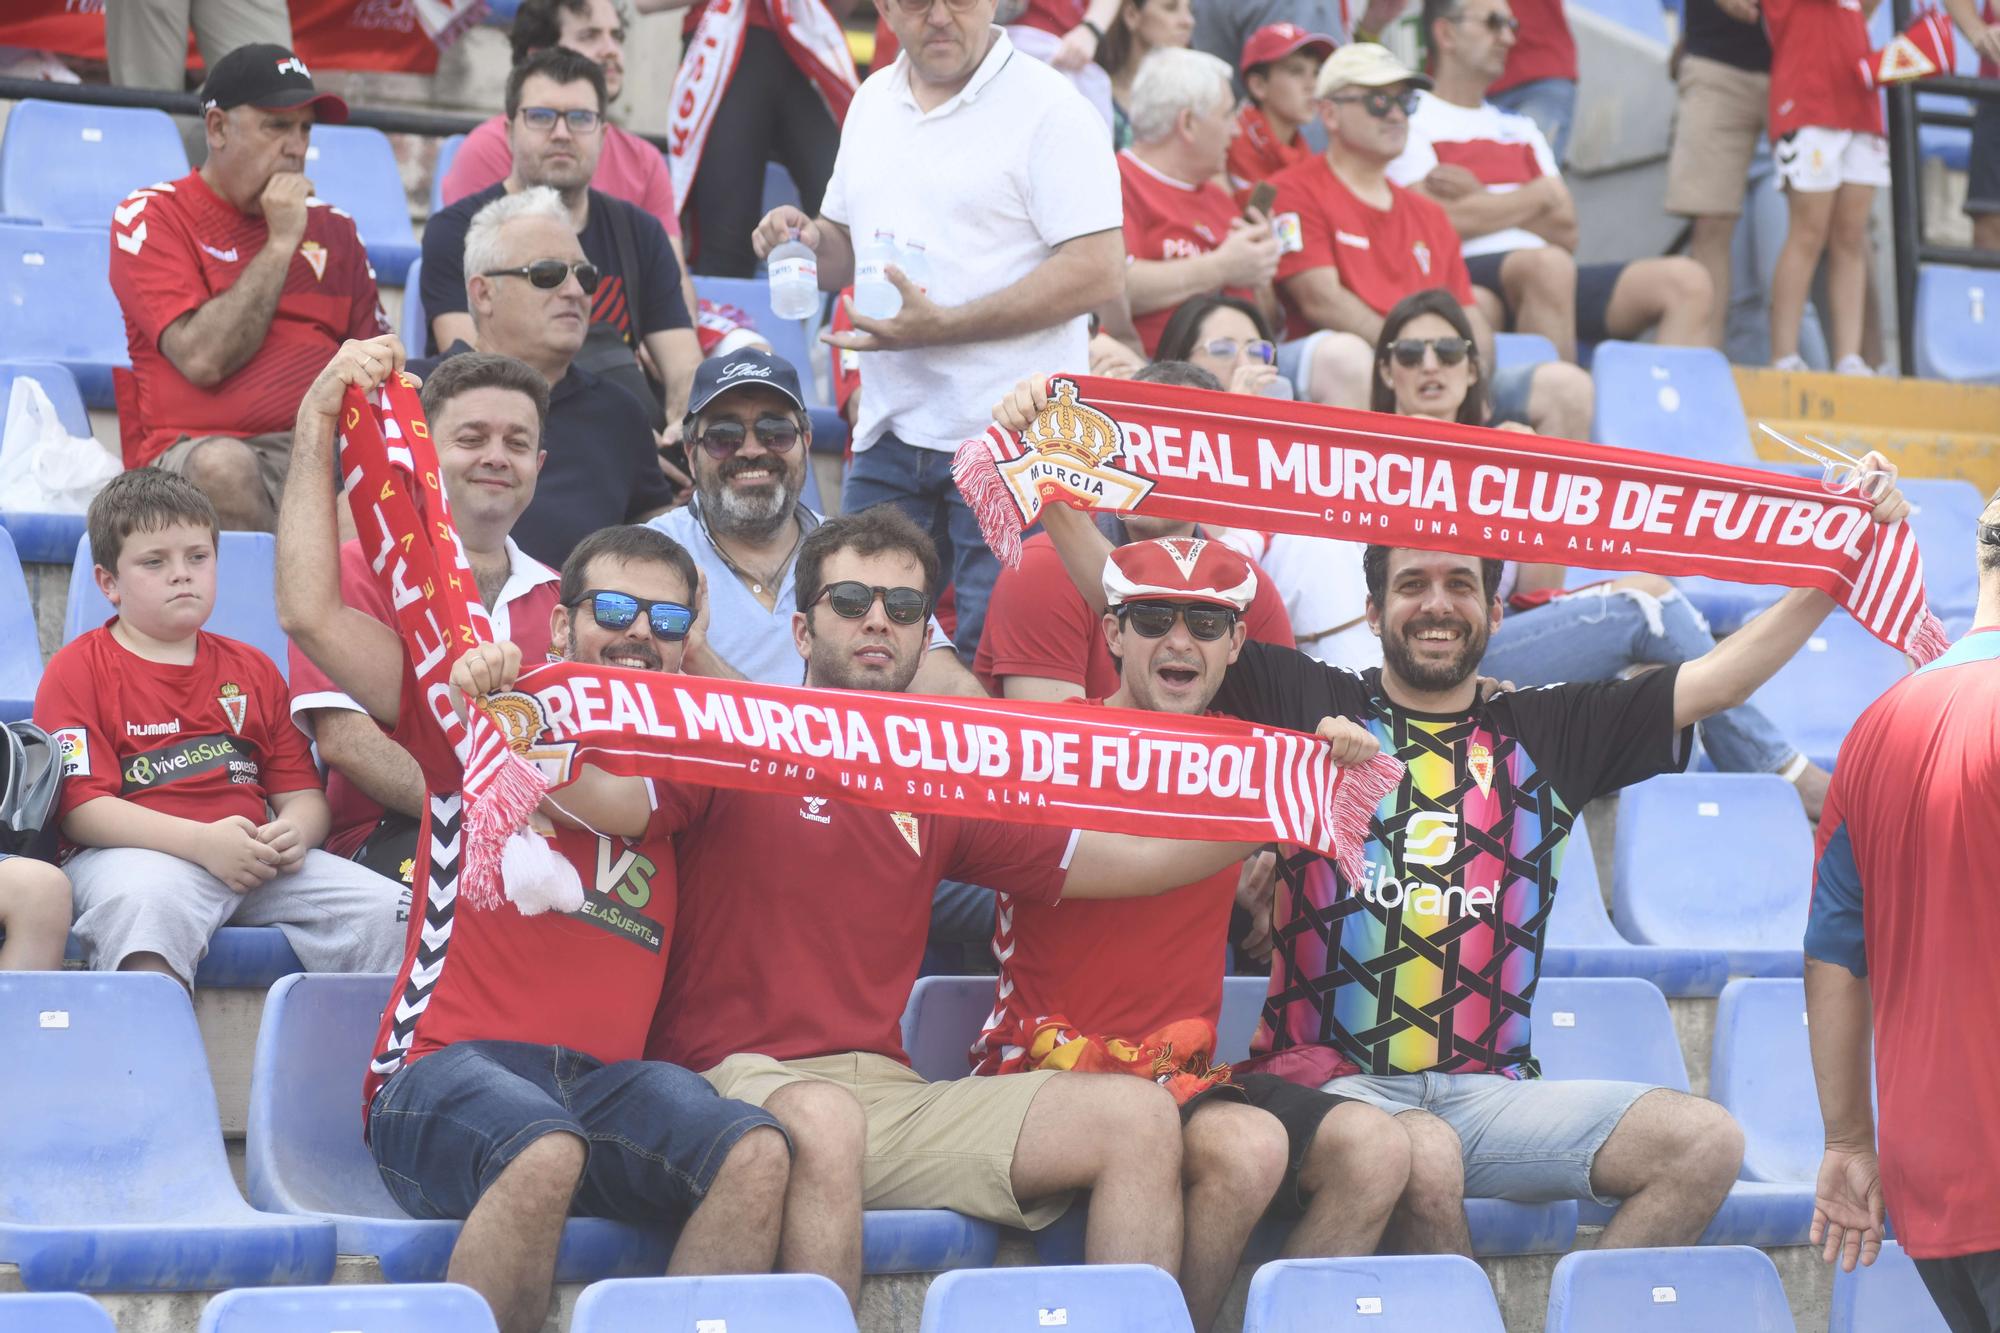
{"x":270,"y":77}
{"x":745,"y":366}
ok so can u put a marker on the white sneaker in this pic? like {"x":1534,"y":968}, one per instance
{"x":1854,"y":365}
{"x":1792,"y":362}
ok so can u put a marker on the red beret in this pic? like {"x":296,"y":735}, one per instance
{"x":1179,"y":569}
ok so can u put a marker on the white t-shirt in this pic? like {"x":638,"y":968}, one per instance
{"x":1324,"y":592}
{"x":990,"y":183}
{"x":1503,"y":149}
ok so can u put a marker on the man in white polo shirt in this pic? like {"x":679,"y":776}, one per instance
{"x":998,"y":168}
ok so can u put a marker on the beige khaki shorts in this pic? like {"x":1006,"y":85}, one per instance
{"x":274,"y":457}
{"x":1720,"y":118}
{"x":930,"y":1145}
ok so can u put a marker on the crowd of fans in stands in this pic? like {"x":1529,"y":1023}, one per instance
{"x":1238,"y":195}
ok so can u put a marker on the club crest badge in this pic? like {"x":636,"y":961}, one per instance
{"x":235,"y":705}
{"x":1479,"y":763}
{"x":1069,"y":449}
{"x":906,"y":824}
{"x":315,"y":256}
{"x":520,"y":719}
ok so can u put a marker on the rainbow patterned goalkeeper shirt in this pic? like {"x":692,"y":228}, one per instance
{"x":1430,"y":963}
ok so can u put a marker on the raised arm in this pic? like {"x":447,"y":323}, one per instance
{"x":357,"y":652}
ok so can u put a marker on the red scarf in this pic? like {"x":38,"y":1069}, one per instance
{"x":1156,"y":774}
{"x":1274,"y":466}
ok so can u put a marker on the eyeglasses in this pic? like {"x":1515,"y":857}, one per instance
{"x":1377,"y":103}
{"x":1154,"y":620}
{"x":916,"y":7}
{"x":1257,"y":349}
{"x":1493,"y":23}
{"x":850,"y":600}
{"x":548,"y":274}
{"x":724,"y":438}
{"x":542,"y":119}
{"x":1450,"y":350}
{"x":617,"y":611}
{"x":1840,"y":472}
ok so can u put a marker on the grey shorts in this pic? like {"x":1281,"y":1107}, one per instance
{"x":1529,"y":1140}
{"x":274,"y":457}
{"x":336,"y":915}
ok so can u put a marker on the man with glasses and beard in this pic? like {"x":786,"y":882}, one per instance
{"x":1412,"y":989}
{"x":528,"y":286}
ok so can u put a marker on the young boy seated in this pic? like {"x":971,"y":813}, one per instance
{"x":190,"y":800}
{"x":1280,"y":62}
{"x":34,"y":915}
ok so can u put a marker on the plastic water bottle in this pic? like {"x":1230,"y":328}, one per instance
{"x":916,"y":265}
{"x":874,"y":295}
{"x":1276,"y":387}
{"x":794,"y":271}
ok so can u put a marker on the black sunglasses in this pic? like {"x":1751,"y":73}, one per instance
{"x":724,"y":438}
{"x":850,"y":600}
{"x":548,"y":274}
{"x":1377,"y":103}
{"x":1450,"y":350}
{"x":617,"y":611}
{"x":1495,"y":23}
{"x":1154,"y":620}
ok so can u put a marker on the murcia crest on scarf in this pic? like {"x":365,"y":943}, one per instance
{"x":1236,"y":460}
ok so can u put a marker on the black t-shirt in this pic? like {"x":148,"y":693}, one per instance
{"x":650,"y":299}
{"x":603,"y":467}
{"x":1430,"y":963}
{"x":1709,"y":32}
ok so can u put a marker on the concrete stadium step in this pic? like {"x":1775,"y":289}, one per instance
{"x":1928,"y":428}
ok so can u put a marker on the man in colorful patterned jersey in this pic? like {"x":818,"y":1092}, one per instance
{"x":1412,"y":990}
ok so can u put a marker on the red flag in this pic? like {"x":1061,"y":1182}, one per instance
{"x":1928,"y":47}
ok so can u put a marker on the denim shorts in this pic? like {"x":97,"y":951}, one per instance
{"x":444,"y":1127}
{"x":1529,"y":1140}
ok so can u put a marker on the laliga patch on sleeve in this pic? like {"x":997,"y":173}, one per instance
{"x":73,"y":744}
{"x":1290,"y":238}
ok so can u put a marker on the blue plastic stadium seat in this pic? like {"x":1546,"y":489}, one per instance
{"x":411,"y":327}
{"x":113,"y":1158}
{"x":1104,"y":1298}
{"x":43,"y":539}
{"x":1814,"y":698}
{"x":1761,"y":1069}
{"x":69,"y":164}
{"x":1888,"y":1296}
{"x":769,"y":1303}
{"x":417,"y":1308}
{"x":778,"y":188}
{"x":57,"y":383}
{"x":1242,"y":1006}
{"x":1582,"y":941}
{"x":1389,"y":1294}
{"x":1958,"y":324}
{"x":354,"y":169}
{"x":56,"y":304}
{"x":1512,"y":350}
{"x":1671,"y":400}
{"x":1683,"y":1290}
{"x":940,"y":1020}
{"x":1945,"y":519}
{"x":446,"y":152}
{"x":247,"y":957}
{"x":246,"y":605}
{"x":52,"y":1312}
{"x":1645,"y":18}
{"x":20,"y":655}
{"x":1717,"y":861}
{"x":305,"y":1155}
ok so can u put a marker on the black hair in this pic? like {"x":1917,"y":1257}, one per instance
{"x":1185,"y":373}
{"x":538,"y":24}
{"x":1183,"y":327}
{"x":484,"y":370}
{"x":626,"y":543}
{"x":558,"y":64}
{"x":1431,"y":301}
{"x":870,"y":532}
{"x":1375,"y":573}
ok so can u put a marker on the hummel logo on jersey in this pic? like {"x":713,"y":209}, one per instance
{"x":172,"y":728}
{"x":810,"y":808}
{"x":226,"y":256}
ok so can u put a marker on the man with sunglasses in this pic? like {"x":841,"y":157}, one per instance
{"x":1355,"y":242}
{"x":555,"y":130}
{"x":1498,"y":181}
{"x":529,"y":292}
{"x":1331,"y":1166}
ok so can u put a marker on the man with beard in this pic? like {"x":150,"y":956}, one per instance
{"x":749,"y":443}
{"x":1412,"y":990}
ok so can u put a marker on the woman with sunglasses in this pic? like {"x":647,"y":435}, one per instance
{"x":1142,"y":27}
{"x":1427,"y":365}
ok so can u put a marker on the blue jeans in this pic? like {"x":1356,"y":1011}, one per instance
{"x":444,"y":1127}
{"x":1596,"y":633}
{"x":918,"y":482}
{"x":1550,"y":103}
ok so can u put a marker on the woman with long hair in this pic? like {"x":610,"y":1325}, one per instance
{"x":1141,"y":28}
{"x":1227,"y":337}
{"x":1426,"y":365}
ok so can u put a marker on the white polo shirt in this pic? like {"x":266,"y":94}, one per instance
{"x":990,"y":183}
{"x":1504,"y":149}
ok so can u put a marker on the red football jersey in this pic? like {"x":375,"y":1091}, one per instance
{"x":1257,"y":154}
{"x":203,"y":741}
{"x":803,"y":919}
{"x":176,"y":245}
{"x":1544,"y":48}
{"x":1381,"y":254}
{"x":1037,"y":624}
{"x":1167,"y":219}
{"x":521,"y":614}
{"x":1816,"y":50}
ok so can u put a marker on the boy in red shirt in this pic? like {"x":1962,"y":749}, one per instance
{"x":1826,"y":135}
{"x":1280,"y":63}
{"x":1125,"y":969}
{"x":190,"y":799}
